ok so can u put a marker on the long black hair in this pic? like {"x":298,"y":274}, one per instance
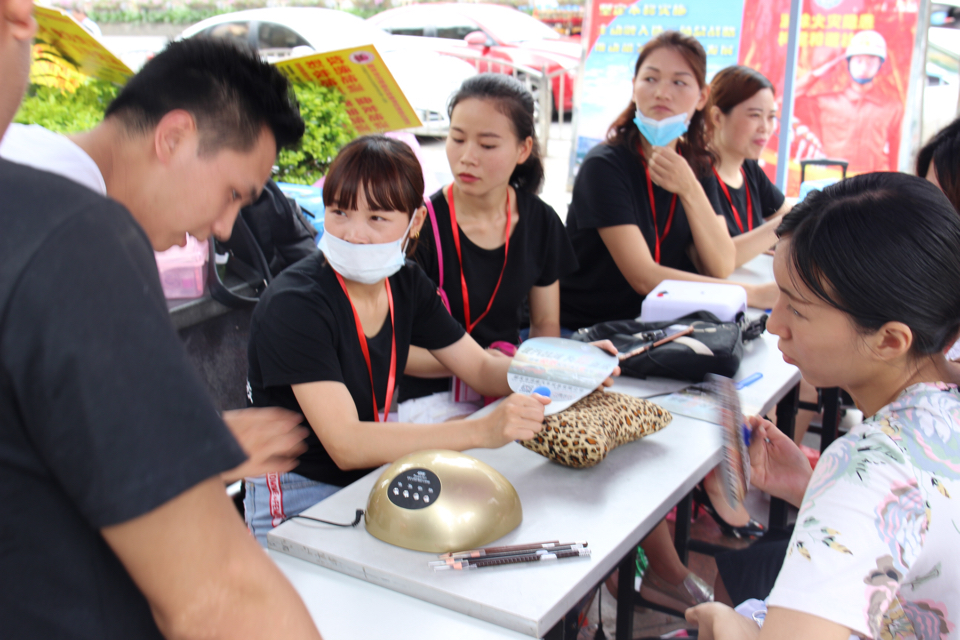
{"x":943,"y":153}
{"x":693,"y":145}
{"x":882,"y":247}
{"x":512,"y":99}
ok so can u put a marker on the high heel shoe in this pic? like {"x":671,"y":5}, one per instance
{"x":752,"y":529}
{"x":689,"y":593}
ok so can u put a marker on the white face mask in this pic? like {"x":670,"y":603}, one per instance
{"x":365,"y":263}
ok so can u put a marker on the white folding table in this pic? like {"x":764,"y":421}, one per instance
{"x":357,"y":586}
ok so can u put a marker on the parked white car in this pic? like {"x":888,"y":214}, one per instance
{"x":428,"y":79}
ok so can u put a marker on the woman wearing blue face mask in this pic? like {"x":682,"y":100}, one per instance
{"x":331,"y":335}
{"x":645,"y":201}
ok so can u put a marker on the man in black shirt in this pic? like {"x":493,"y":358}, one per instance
{"x":114,"y":522}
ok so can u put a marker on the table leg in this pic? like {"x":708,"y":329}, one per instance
{"x":831,"y":417}
{"x":627,"y":572}
{"x":566,"y":629}
{"x":786,"y":417}
{"x":681,"y":533}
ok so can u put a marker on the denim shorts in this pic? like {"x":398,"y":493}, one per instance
{"x":271,"y":498}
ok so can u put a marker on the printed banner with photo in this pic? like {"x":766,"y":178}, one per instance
{"x":374,"y":103}
{"x":852,"y":82}
{"x":853,"y":75}
{"x":616,"y":33}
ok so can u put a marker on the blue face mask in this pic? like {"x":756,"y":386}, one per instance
{"x":660,"y":133}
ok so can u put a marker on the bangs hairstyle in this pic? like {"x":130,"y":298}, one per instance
{"x":386,"y":170}
{"x":511,"y":98}
{"x":943,"y":154}
{"x":881,"y":247}
{"x":230,"y":92}
{"x":732,"y":86}
{"x":692,"y":145}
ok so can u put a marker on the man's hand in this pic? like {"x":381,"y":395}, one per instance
{"x":717,"y":621}
{"x":272,"y":438}
{"x":777,"y":465}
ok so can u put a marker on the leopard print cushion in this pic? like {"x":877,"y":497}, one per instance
{"x":583,"y":435}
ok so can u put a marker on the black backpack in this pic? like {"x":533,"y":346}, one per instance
{"x":269,"y":235}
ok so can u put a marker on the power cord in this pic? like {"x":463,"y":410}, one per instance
{"x":356,"y":520}
{"x":600,"y":635}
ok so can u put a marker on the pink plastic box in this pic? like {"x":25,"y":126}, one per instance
{"x":183,"y":269}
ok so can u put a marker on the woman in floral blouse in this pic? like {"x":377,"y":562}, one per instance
{"x":876,"y":549}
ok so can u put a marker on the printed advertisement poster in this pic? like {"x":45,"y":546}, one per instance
{"x":63,"y":49}
{"x":853,"y":75}
{"x":617,"y":32}
{"x":375,"y":102}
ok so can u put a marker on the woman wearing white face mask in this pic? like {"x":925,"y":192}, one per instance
{"x":645,"y":201}
{"x":331,"y":335}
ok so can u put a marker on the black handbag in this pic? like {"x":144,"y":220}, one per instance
{"x":713,"y":347}
{"x":269,"y":235}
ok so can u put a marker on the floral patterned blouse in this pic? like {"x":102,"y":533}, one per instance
{"x":876,"y":546}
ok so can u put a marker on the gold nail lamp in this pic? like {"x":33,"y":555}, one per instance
{"x":441,"y":501}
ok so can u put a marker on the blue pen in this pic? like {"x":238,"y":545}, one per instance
{"x":749,"y":380}
{"x":746,"y":434}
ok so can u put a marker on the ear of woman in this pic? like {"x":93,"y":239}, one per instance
{"x":892,"y":341}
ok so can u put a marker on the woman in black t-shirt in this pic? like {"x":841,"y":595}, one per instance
{"x":331,"y":334}
{"x":489,"y":240}
{"x":644,"y":210}
{"x":741,"y":117}
{"x":645,"y":201}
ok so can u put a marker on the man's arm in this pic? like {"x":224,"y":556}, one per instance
{"x":204,"y":574}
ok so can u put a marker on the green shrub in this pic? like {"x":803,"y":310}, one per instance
{"x":328,"y":129}
{"x":64,"y":111}
{"x":323,"y":111}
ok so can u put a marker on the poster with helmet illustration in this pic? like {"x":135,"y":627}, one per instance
{"x":852,"y":84}
{"x":853,"y":80}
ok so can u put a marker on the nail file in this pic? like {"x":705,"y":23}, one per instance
{"x":735,"y":466}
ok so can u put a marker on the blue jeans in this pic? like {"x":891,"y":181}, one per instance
{"x":271,"y":498}
{"x":564,"y":333}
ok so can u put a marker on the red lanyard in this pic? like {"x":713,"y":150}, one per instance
{"x":463,"y":281}
{"x":653,"y":209}
{"x":736,"y":214}
{"x":392,"y":376}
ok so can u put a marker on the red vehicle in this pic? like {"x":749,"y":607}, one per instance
{"x":494,"y":32}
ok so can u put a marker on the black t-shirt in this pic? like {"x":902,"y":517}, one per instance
{"x":102,"y":416}
{"x":611,"y":190}
{"x":540,"y":253}
{"x":765,"y":198}
{"x":303,"y":331}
